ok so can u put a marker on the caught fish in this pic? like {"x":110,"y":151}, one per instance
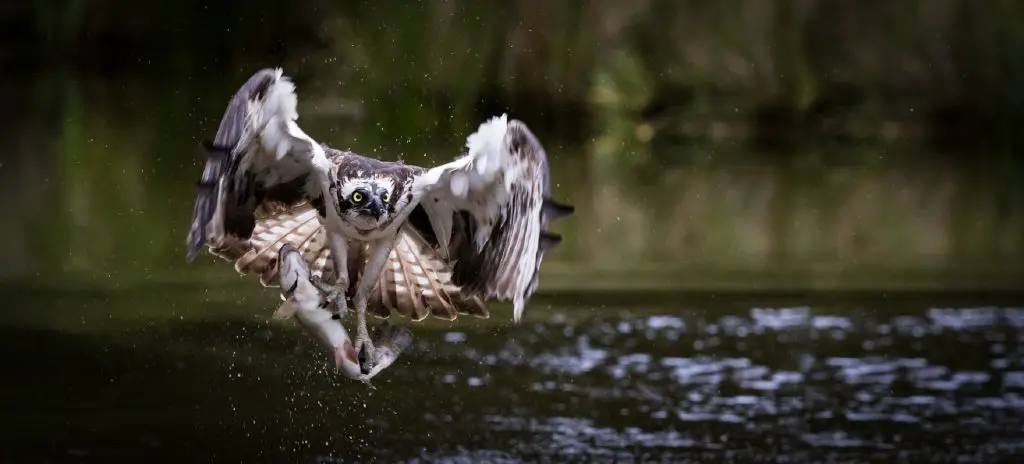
{"x":390,"y":341}
{"x":308,"y":305}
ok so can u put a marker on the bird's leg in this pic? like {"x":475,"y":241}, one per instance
{"x":379,"y":251}
{"x":336,"y":292}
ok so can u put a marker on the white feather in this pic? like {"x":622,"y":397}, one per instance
{"x":280,"y":136}
{"x":481,"y":183}
{"x":440,"y":215}
{"x":459,"y":184}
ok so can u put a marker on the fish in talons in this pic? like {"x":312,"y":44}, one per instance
{"x":308,"y":304}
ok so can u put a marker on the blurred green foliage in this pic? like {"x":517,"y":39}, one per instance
{"x":644,"y":107}
{"x":690,"y":67}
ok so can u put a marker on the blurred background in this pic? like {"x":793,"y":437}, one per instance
{"x":799,"y":230}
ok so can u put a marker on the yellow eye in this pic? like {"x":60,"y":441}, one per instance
{"x":357,"y":197}
{"x":387,"y":197}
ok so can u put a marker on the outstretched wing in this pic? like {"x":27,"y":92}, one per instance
{"x":260,"y":161}
{"x":415,"y":282}
{"x":488,"y":211}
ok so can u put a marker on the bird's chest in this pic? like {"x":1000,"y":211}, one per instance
{"x":337,"y":226}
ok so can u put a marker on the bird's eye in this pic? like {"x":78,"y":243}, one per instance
{"x":387,"y":197}
{"x":357,"y":197}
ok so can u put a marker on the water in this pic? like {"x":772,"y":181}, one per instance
{"x":693,"y":378}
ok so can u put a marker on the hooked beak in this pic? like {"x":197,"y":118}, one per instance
{"x":376,"y":208}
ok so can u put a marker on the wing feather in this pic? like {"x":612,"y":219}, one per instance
{"x":425,"y":288}
{"x":259,"y":161}
{"x":416,"y":283}
{"x":488,"y":211}
{"x":407,"y":283}
{"x":298,"y":227}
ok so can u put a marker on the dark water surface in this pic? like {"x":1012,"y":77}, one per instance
{"x":174,"y":372}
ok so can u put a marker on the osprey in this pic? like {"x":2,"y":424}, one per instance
{"x":419,"y":241}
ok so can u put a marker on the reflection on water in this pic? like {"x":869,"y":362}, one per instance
{"x":856,"y":380}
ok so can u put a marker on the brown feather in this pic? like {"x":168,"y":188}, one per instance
{"x":407,"y":288}
{"x":416,"y":283}
{"x":424,"y":288}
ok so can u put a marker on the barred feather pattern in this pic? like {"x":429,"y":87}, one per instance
{"x":415,"y":282}
{"x":413,"y":268}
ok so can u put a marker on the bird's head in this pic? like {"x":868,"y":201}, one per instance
{"x":366,"y":204}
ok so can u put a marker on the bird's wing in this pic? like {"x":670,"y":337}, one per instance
{"x":488,"y":211}
{"x":260,"y":161}
{"x":298,"y":226}
{"x":415,"y":282}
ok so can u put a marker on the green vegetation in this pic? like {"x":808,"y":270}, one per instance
{"x":646,"y":109}
{"x":691,"y":68}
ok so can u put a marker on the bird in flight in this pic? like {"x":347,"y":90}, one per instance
{"x":388,"y":235}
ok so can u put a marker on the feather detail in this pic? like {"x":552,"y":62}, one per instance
{"x":416,"y":283}
{"x":259,"y":159}
{"x":298,"y":227}
{"x":488,"y":211}
{"x":406,"y":281}
{"x":424,"y":288}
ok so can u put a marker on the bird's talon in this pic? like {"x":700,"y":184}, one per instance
{"x":334,"y":297}
{"x":318,"y":282}
{"x":366,"y":356}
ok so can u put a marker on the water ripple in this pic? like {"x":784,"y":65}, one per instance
{"x":728,"y":383}
{"x":832,"y":381}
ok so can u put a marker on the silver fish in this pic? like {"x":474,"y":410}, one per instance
{"x":308,"y":305}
